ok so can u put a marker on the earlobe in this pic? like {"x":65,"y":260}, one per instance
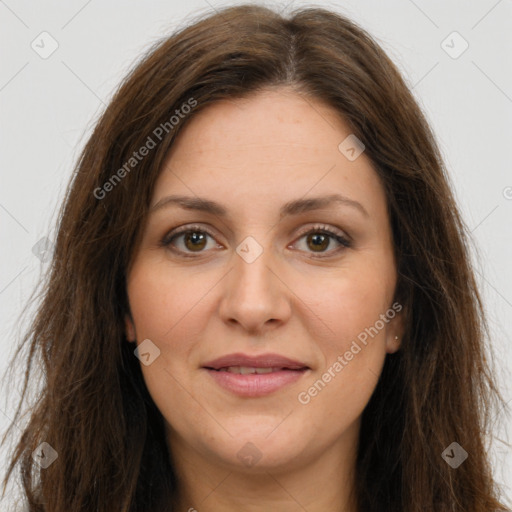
{"x":395,"y":335}
{"x":129,"y":329}
{"x":393,"y":344}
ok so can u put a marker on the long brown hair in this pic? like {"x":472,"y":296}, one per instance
{"x":94,"y":409}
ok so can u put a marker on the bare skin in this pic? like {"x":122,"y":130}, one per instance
{"x":197,"y":299}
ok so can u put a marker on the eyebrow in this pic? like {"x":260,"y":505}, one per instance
{"x":294,"y":207}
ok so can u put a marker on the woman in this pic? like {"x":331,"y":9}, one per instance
{"x":261,"y":295}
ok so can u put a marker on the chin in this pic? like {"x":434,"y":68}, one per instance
{"x":262,"y":449}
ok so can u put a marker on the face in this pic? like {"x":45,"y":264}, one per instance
{"x":306,"y":295}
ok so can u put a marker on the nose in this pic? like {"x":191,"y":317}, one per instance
{"x":255,"y":296}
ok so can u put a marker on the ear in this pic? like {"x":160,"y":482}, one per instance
{"x":395,"y":329}
{"x":129,"y":329}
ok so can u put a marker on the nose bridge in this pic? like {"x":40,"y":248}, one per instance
{"x":252,"y":276}
{"x":254,"y":293}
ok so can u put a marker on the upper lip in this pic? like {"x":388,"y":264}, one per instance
{"x":259,"y":361}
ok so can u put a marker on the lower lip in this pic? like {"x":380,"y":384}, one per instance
{"x":254,"y":385}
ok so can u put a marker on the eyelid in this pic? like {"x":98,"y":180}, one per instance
{"x":324,"y":227}
{"x":332,"y":232}
{"x":165,"y":242}
{"x":180,"y":230}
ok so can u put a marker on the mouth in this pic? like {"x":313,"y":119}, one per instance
{"x":264,"y":362}
{"x":255,"y":376}
{"x":250,"y":370}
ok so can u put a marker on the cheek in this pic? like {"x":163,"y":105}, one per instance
{"x":172,"y":308}
{"x":337,"y":393}
{"x":351,"y":339}
{"x":167,"y":309}
{"x":345,"y":305}
{"x":163,"y":301}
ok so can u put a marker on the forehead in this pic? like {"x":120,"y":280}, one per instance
{"x":268,"y":119}
{"x":265,"y":150}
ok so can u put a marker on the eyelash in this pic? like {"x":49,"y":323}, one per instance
{"x":318,"y":229}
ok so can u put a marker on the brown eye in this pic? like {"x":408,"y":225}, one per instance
{"x":194,"y":240}
{"x":319,"y":238}
{"x":318,"y":241}
{"x":189,"y":240}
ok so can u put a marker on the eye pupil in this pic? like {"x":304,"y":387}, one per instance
{"x":195,"y":237}
{"x":319,"y":240}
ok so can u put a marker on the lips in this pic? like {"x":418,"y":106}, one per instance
{"x":255,"y":376}
{"x":263,"y":361}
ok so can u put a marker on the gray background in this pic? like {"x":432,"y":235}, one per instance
{"x":49,"y":105}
